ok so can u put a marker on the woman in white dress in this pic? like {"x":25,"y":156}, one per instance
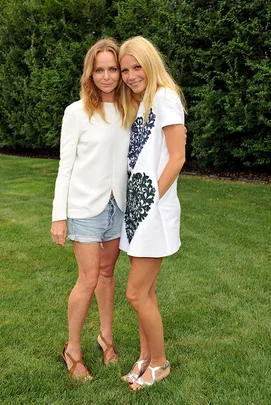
{"x":90,"y":197}
{"x":153,"y":104}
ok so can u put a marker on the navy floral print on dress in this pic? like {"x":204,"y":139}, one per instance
{"x":138,"y":137}
{"x":140,"y":197}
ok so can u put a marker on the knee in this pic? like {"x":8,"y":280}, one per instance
{"x":133,"y":298}
{"x":107,"y":270}
{"x":88,"y":282}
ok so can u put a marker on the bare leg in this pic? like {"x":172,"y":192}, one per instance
{"x":144,"y":346}
{"x":145,"y":353}
{"x":105,"y":292}
{"x":141,"y":295}
{"x":88,"y":259}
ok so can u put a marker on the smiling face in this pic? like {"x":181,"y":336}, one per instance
{"x":132,"y":74}
{"x":106,"y":75}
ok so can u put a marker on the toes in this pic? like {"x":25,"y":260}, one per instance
{"x":127,"y":379}
{"x":135,"y":387}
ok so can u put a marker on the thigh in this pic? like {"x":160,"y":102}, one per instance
{"x":88,"y":259}
{"x":143,"y":273}
{"x":109,"y":253}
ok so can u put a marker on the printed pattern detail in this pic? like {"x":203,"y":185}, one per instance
{"x":138,"y":137}
{"x":140,"y":197}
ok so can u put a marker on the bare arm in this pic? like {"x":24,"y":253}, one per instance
{"x":175,"y":139}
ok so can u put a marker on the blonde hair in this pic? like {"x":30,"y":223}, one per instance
{"x":156,"y":72}
{"x":90,"y":94}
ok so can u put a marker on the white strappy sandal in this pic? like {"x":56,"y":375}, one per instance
{"x":134,"y":376}
{"x":144,"y":383}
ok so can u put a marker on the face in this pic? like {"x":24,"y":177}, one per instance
{"x":132,"y":74}
{"x":106,"y":75}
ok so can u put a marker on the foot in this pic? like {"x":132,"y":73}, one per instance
{"x":75,"y":365}
{"x":151,"y":375}
{"x":110,"y":355}
{"x":138,"y":369}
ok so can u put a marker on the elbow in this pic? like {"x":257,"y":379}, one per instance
{"x":177,"y":162}
{"x":181,"y":162}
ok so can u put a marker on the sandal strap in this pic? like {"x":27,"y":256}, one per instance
{"x":108,"y":345}
{"x":142,"y":382}
{"x":139,"y":364}
{"x":74,"y":362}
{"x":134,"y":376}
{"x":163,"y":367}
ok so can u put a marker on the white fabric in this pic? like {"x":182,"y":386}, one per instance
{"x":151,"y":226}
{"x":93,"y":161}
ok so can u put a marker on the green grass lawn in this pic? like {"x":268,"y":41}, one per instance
{"x":214,"y":295}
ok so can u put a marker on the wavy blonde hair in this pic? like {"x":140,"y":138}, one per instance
{"x":90,"y":94}
{"x":156,"y":72}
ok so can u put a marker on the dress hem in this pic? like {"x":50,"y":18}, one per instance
{"x":151,"y":256}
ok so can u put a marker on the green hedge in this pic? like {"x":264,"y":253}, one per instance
{"x":218,"y":51}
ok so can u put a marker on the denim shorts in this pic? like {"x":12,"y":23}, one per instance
{"x":101,"y":228}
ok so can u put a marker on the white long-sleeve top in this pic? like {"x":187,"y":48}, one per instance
{"x":93,"y":162}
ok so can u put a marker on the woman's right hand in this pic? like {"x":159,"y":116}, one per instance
{"x":58,"y":232}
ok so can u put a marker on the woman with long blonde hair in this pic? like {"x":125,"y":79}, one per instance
{"x":90,"y":196}
{"x":154,"y":107}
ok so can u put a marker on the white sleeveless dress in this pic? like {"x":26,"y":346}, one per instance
{"x":151,"y":226}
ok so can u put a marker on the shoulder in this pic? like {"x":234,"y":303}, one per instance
{"x":168,"y":106}
{"x":75,"y":107}
{"x":164,"y":94}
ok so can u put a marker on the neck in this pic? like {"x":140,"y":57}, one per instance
{"x":108,"y":97}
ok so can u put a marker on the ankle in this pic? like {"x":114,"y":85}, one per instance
{"x":157,"y":362}
{"x":144,"y":356}
{"x":74,"y":350}
{"x":106,"y":334}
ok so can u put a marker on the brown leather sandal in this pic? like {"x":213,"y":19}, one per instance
{"x":109,"y":346}
{"x":85,"y":376}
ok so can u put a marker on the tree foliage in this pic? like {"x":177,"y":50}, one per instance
{"x":218,"y":51}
